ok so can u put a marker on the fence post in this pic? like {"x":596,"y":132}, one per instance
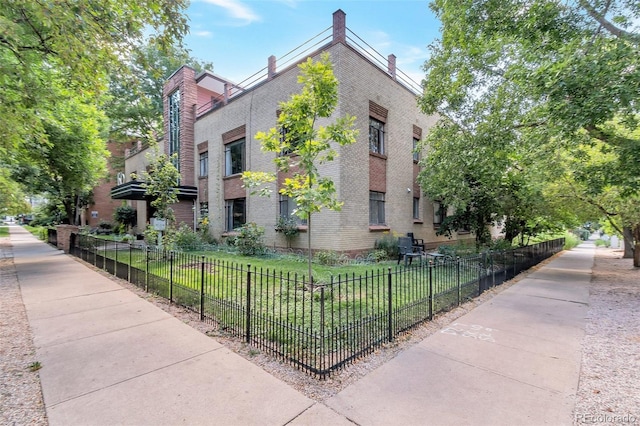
{"x":104,"y":256}
{"x":95,"y":251}
{"x":493,"y":270}
{"x":248,"y":319}
{"x":115,"y":263}
{"x":389,"y":306}
{"x":458,"y":279}
{"x":322,"y":334}
{"x":202,"y":289}
{"x":130,"y":261}
{"x":430,"y":292}
{"x":480,"y":268}
{"x":146,"y":270}
{"x":171,"y":277}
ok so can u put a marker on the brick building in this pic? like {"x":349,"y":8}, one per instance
{"x":211,"y":122}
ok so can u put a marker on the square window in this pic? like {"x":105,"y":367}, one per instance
{"x":376,"y":136}
{"x":234,"y":154}
{"x":287,"y":207}
{"x":376,"y":208}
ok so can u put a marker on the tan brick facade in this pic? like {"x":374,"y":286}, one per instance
{"x":365,"y":90}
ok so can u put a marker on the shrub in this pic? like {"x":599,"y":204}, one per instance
{"x":250,"y":239}
{"x":184,"y":238}
{"x":500,"y":244}
{"x":389,"y":243}
{"x":288,"y":226}
{"x":329,"y":258}
{"x":125,"y":215}
{"x":379,"y":255}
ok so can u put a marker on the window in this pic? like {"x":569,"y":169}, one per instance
{"x":234,"y":212}
{"x":174,"y":128}
{"x":204,"y":164}
{"x":416,"y":207}
{"x":416,"y":153}
{"x":204,"y":209}
{"x":439,"y":213}
{"x":234,"y":157}
{"x":287,"y":207}
{"x":376,"y":136}
{"x":376,"y":208}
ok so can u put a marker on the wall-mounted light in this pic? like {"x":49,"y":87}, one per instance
{"x":408,"y":190}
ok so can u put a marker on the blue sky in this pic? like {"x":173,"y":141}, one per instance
{"x":238,"y":36}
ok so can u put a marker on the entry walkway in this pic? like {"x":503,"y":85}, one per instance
{"x":109,"y":357}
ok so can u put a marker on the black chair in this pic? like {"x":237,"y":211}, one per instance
{"x":407,"y":251}
{"x":417,"y":242}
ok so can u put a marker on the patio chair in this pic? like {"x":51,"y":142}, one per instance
{"x":407,"y":251}
{"x":417,"y":242}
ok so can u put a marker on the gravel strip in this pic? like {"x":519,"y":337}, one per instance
{"x":20,"y":394}
{"x":609,"y":388}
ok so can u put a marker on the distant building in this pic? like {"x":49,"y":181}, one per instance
{"x":210,"y":123}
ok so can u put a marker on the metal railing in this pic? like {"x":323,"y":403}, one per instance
{"x":318,"y":328}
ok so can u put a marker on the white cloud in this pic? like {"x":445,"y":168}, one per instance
{"x":203,"y":33}
{"x":236,"y":10}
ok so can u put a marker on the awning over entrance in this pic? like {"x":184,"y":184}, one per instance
{"x":134,"y":190}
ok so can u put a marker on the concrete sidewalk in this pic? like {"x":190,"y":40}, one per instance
{"x":109,"y":357}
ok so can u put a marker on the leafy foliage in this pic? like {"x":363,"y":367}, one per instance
{"x":522,"y":89}
{"x":250,"y":239}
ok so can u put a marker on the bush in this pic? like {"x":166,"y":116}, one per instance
{"x":379,"y":255}
{"x":329,"y":258}
{"x":501,"y":244}
{"x":250,"y":239}
{"x":388,"y":243}
{"x":125,"y":215}
{"x":184,"y":238}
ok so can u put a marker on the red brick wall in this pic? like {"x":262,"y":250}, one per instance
{"x":103,"y":204}
{"x":233,"y":188}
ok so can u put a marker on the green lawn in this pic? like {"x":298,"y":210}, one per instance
{"x":4,"y":231}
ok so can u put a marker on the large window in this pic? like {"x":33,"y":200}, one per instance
{"x":376,"y":208}
{"x":376,"y":136}
{"x":235,"y":215}
{"x":174,"y":128}
{"x":204,"y":164}
{"x":287,"y":207}
{"x":234,"y":154}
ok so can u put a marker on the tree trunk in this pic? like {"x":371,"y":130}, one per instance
{"x":627,"y":236}
{"x":636,"y":256}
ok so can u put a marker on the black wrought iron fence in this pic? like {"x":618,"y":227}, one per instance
{"x":318,"y":328}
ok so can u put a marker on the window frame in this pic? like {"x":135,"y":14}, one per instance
{"x":377,"y":136}
{"x":377,"y":213}
{"x":416,"y":208}
{"x":228,"y":156}
{"x":174,"y":127}
{"x":203,"y":162}
{"x":416,"y":153}
{"x":232,"y":210}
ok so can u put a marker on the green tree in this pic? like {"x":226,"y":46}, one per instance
{"x":135,"y":98}
{"x":77,"y":42}
{"x":12,"y":196}
{"x":73,"y":159}
{"x":519,"y":83}
{"x":306,"y":144}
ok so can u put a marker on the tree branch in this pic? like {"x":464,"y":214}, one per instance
{"x":607,"y":25}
